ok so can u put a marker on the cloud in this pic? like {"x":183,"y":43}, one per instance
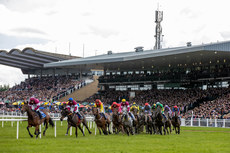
{"x":103,"y":32}
{"x":26,"y":5}
{"x":225,"y":34}
{"x":9,"y":42}
{"x":28,"y":30}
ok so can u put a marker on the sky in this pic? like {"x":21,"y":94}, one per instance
{"x":103,"y":25}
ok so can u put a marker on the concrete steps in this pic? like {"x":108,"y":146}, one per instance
{"x":83,"y":93}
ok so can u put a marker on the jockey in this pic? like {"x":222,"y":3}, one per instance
{"x":176,"y":109}
{"x":167,"y":109}
{"x":72,"y":105}
{"x":147,"y":109}
{"x":125,"y":103}
{"x":116,"y":105}
{"x":153,"y":106}
{"x":99,"y":104}
{"x":162,"y":108}
{"x":134,"y":105}
{"x":34,"y":104}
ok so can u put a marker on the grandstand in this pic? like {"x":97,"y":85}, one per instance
{"x":192,"y":73}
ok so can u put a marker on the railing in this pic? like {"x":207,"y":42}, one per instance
{"x":224,"y":123}
{"x":89,"y":119}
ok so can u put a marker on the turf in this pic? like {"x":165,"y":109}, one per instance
{"x":191,"y":140}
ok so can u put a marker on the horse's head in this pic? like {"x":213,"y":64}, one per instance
{"x":124,"y":110}
{"x":115,"y":111}
{"x":64,"y":113}
{"x":25,"y":107}
{"x":95,"y":110}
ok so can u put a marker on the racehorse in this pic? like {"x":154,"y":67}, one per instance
{"x":117,"y":124}
{"x":101,"y":122}
{"x":168,"y":123}
{"x":159,"y":119}
{"x":148,"y":123}
{"x":176,"y":123}
{"x":127,"y":122}
{"x":154,"y":121}
{"x":73,"y":120}
{"x":136,"y":124}
{"x":34,"y":120}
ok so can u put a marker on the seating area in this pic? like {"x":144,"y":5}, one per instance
{"x":45,"y":89}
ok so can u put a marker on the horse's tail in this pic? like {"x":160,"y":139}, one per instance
{"x":51,"y":122}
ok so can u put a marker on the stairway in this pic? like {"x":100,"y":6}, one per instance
{"x":84,"y":92}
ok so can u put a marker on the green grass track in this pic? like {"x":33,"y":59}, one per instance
{"x":191,"y":140}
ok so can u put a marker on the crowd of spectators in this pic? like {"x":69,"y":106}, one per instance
{"x":172,"y":75}
{"x":44,"y":88}
{"x":202,"y":102}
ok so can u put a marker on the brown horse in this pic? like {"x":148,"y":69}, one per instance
{"x":73,"y":120}
{"x":168,"y":123}
{"x":34,"y":120}
{"x":101,"y":122}
{"x":148,"y":123}
{"x":159,"y":120}
{"x":117,"y":124}
{"x":176,"y":123}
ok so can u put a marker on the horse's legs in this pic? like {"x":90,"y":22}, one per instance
{"x":76,"y":131}
{"x":108,"y":127}
{"x":31,"y":135}
{"x":37,"y":131}
{"x":164,"y":128}
{"x":79,"y":126}
{"x":85,"y":124}
{"x":170,"y":127}
{"x":178,"y":129}
{"x":160,"y":129}
{"x":104,"y":129}
{"x":46,"y":124}
{"x":68,"y":129}
{"x":99,"y":129}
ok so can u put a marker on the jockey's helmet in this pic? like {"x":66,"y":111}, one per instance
{"x":32,"y":99}
{"x":70,"y":99}
{"x":146,"y":104}
{"x":97,"y":101}
{"x":175,"y":106}
{"x":158,"y":103}
{"x":114,"y":103}
{"x":134,"y":103}
{"x":123,"y":100}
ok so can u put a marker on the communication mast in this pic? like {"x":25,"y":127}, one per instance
{"x":158,"y":36}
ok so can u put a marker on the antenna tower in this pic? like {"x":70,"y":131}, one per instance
{"x":158,"y":36}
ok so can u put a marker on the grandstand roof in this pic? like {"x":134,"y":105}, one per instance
{"x":29,"y":58}
{"x":169,"y":57}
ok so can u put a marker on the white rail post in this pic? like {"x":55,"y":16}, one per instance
{"x":40,"y":130}
{"x":12,"y":123}
{"x":198,"y":121}
{"x":17,"y":129}
{"x":55,"y":134}
{"x":207,"y":122}
{"x":70,"y":133}
{"x":2,"y":123}
{"x":191,"y":121}
{"x":215,"y":122}
{"x":95,"y":129}
{"x":111,"y":127}
{"x":83,"y":128}
{"x":223,"y":122}
{"x":61,"y":123}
